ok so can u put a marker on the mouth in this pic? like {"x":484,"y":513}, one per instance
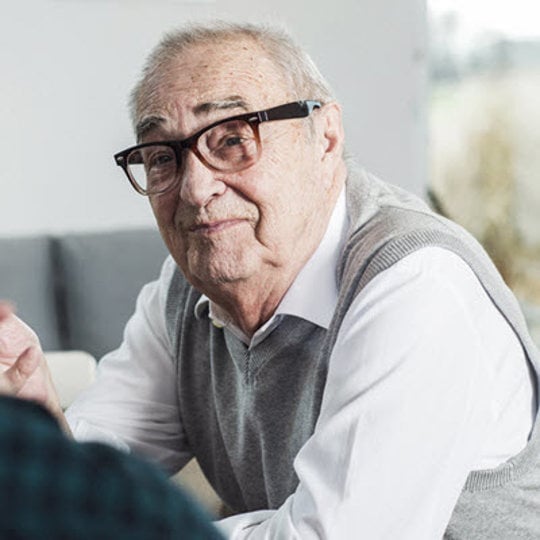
{"x":214,"y":226}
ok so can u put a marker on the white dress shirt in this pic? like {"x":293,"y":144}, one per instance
{"x":426,"y":382}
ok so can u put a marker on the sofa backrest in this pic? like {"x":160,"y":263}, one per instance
{"x":27,"y":278}
{"x":78,"y":290}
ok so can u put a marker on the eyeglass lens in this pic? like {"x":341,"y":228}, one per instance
{"x":228,"y":147}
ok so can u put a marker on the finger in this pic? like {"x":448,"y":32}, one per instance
{"x":16,"y":376}
{"x":15,"y":334}
{"x":6,"y":309}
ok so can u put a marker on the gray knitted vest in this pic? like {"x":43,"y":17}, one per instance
{"x":248,"y":411}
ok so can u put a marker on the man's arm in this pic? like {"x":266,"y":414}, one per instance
{"x":133,"y":402}
{"x":406,"y":409}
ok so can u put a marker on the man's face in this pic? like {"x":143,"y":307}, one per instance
{"x":226,"y":229}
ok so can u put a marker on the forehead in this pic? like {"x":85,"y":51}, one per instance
{"x":212,"y":73}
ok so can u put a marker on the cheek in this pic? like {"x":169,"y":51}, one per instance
{"x":163,"y":207}
{"x":273,"y":187}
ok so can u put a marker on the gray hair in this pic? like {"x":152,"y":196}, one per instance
{"x":298,"y":69}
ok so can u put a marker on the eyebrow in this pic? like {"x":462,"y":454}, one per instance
{"x":232,"y":102}
{"x":149,"y":123}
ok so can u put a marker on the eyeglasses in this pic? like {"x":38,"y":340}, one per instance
{"x":229,"y":145}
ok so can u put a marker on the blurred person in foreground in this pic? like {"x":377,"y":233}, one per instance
{"x":53,"y":487}
{"x":343,"y":362}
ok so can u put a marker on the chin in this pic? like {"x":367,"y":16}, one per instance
{"x":223,"y":259}
{"x":220,"y":276}
{"x":204,"y":273}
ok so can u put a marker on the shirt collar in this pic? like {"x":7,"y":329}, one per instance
{"x":313,"y":294}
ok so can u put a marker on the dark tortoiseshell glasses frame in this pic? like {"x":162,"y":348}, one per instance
{"x":296,"y":109}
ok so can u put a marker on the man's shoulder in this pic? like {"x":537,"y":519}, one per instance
{"x":53,"y":487}
{"x":179,"y":296}
{"x":173,"y":282}
{"x":391,"y":225}
{"x":368,"y":196}
{"x":395,"y":227}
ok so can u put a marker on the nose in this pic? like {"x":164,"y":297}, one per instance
{"x":199,"y":184}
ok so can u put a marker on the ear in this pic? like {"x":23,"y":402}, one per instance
{"x":331,"y":134}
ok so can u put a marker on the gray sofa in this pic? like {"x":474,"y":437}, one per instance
{"x":78,"y":290}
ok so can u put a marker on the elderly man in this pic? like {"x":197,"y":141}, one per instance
{"x":342,"y":362}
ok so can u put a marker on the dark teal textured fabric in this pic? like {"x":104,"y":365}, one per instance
{"x":54,"y":488}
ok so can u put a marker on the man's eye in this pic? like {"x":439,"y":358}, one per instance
{"x":233,"y":141}
{"x":159,"y":160}
{"x":228,"y":135}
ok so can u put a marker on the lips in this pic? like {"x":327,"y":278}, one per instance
{"x":215,"y":226}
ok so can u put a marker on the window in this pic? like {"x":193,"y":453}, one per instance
{"x":484,"y":115}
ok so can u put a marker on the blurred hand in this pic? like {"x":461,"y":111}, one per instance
{"x":23,"y":369}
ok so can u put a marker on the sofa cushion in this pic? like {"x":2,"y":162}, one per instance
{"x":27,"y":278}
{"x":101,"y":275}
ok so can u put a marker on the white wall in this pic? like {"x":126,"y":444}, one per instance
{"x":66,"y":67}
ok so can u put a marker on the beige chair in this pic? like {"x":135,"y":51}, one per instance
{"x":193,"y":480}
{"x":72,"y":372}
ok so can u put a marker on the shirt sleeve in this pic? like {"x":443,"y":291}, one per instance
{"x":132,"y":404}
{"x":405,"y":409}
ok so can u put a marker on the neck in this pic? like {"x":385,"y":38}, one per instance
{"x":250,"y":305}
